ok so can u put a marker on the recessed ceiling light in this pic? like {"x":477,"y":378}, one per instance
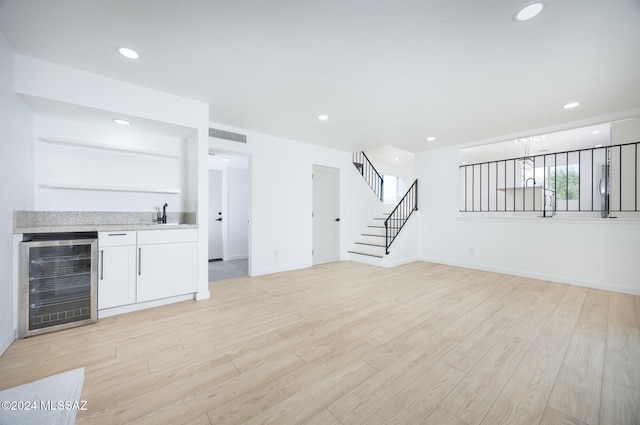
{"x":128,"y":53}
{"x":529,"y":11}
{"x":121,"y":121}
{"x":323,"y":117}
{"x":596,"y":132}
{"x":397,"y":159}
{"x":571,"y":105}
{"x":598,"y":146}
{"x":431,"y":139}
{"x":225,"y":159}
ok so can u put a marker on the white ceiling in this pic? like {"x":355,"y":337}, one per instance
{"x":561,"y":141}
{"x":386,"y":72}
{"x":99,"y":117}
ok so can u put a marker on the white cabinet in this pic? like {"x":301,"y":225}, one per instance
{"x":166,"y":263}
{"x":146,"y":265}
{"x":117,"y":269}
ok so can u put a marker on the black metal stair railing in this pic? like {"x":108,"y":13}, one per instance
{"x":370,"y":174}
{"x":399,"y":216}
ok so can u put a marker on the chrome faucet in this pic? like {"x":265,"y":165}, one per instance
{"x":527,"y":181}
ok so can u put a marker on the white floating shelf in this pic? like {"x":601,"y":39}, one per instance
{"x":107,"y":147}
{"x":109,"y":188}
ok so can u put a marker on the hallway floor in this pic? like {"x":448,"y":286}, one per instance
{"x":222,"y":270}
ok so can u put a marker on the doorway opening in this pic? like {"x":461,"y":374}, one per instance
{"x":229,"y":212}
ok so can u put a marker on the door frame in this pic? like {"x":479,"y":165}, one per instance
{"x":336,"y":172}
{"x":215,"y":151}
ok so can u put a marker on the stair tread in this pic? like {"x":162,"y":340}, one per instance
{"x":366,"y":253}
{"x":371,"y":234}
{"x":370,"y":244}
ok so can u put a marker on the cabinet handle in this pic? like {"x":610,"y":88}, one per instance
{"x":102,"y":264}
{"x":117,"y":234}
{"x":139,"y":261}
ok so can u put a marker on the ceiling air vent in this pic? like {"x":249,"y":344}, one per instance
{"x":227,"y":135}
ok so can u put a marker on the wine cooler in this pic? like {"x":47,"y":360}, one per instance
{"x":58,"y":280}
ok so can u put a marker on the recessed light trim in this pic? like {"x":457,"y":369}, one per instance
{"x":128,"y":53}
{"x":120,"y":121}
{"x":571,"y":105}
{"x":529,"y":11}
{"x":323,"y":117}
{"x":431,"y":139}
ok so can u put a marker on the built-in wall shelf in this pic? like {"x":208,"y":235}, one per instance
{"x":108,"y":147}
{"x":108,"y":188}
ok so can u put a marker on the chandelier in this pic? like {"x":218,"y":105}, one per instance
{"x":530,"y":141}
{"x":527,"y":162}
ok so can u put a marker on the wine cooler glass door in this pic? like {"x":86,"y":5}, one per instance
{"x":58,"y":285}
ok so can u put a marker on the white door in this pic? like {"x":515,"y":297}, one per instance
{"x":215,"y":215}
{"x":326,"y":218}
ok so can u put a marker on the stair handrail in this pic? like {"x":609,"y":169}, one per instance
{"x":369,"y":173}
{"x":400,"y":214}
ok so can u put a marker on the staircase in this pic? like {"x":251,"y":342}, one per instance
{"x":372,"y":240}
{"x":373,"y":244}
{"x":369,"y":173}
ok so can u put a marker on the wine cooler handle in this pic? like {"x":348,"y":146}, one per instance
{"x":139,"y":261}
{"x":102,"y":264}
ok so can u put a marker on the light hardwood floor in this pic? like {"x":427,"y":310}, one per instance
{"x":346,"y":343}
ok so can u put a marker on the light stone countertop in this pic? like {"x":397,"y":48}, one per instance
{"x":90,"y":221}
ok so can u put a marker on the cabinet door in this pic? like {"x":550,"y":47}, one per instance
{"x":166,"y":270}
{"x":117,"y":276}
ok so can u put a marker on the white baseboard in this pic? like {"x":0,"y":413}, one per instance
{"x":400,"y":262}
{"x":6,"y":341}
{"x":270,"y":270}
{"x":141,"y":306}
{"x":236,"y":257}
{"x":539,"y":276}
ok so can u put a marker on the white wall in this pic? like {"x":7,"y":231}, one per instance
{"x":46,"y":80}
{"x":600,"y":253}
{"x":125,"y":172}
{"x":78,"y":89}
{"x":281,"y":231}
{"x":16,"y":184}
{"x":627,"y":131}
{"x":407,"y":172}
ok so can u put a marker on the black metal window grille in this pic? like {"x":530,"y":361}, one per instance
{"x":369,"y":172}
{"x":603,"y":179}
